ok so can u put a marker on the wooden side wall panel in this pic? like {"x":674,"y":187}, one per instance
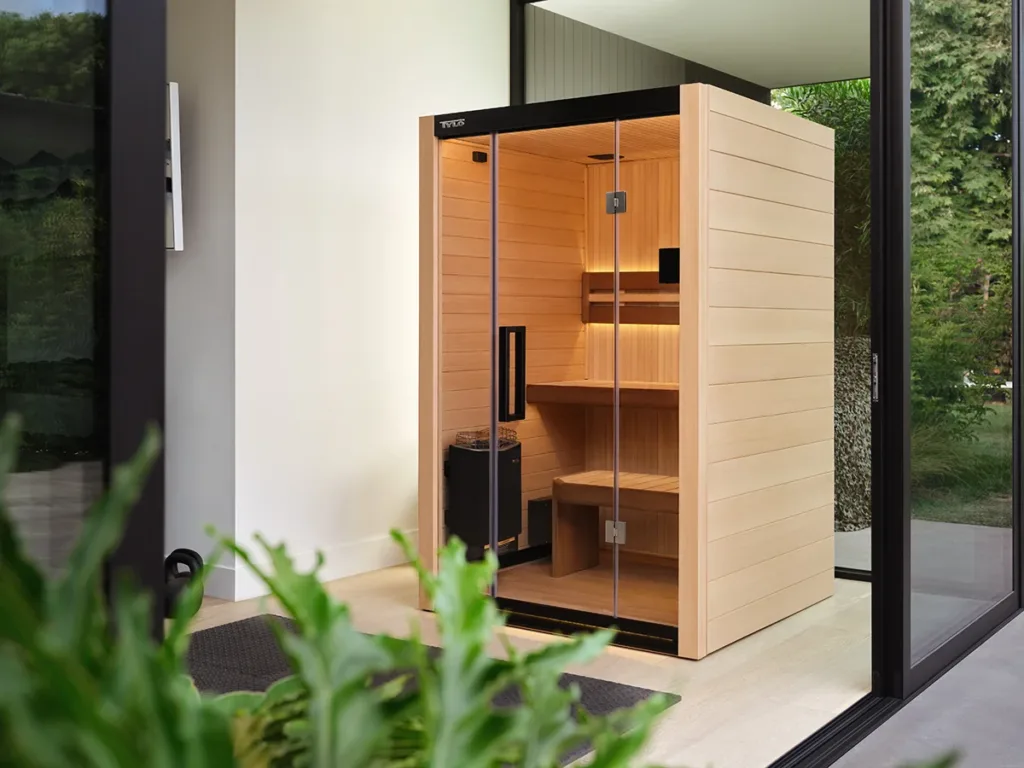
{"x":541,"y":235}
{"x":693,"y":370}
{"x":769,"y":365}
{"x":429,"y":438}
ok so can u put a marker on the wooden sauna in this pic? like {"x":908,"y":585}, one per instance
{"x":627,"y":303}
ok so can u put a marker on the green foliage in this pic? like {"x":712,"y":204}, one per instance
{"x":56,"y":57}
{"x":84,"y":685}
{"x":845,"y":106}
{"x":961,"y":196}
{"x":447,"y":717}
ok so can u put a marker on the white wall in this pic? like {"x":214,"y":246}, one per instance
{"x":200,"y":430}
{"x":326,"y":311}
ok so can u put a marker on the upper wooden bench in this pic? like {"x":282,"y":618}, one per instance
{"x":576,"y":520}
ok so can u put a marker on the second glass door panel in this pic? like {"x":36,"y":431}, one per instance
{"x":554,"y":392}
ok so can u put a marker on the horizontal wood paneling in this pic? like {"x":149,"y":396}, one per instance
{"x":732,"y":626}
{"x":739,"y":176}
{"x":753,"y":399}
{"x":751,"y":473}
{"x":743,"y":550}
{"x":515,"y":161}
{"x":753,"y":142}
{"x":751,"y":510}
{"x":777,"y":120}
{"x":735,"y":213}
{"x":761,"y":362}
{"x":730,"y":326}
{"x":738,"y":589}
{"x":734,"y":439}
{"x":541,"y":234}
{"x":738,"y":250}
{"x":768,"y":290}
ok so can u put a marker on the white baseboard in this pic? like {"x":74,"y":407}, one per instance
{"x":340,"y":561}
{"x":221,"y":582}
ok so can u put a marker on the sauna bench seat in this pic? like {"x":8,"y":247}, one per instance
{"x":576,"y":519}
{"x":632,"y":394}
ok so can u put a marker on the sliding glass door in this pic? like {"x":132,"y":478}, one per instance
{"x":947,"y":342}
{"x":82,"y":99}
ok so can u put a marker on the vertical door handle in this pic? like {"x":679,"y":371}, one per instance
{"x":505,"y":335}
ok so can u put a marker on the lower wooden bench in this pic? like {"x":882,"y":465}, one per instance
{"x":576,"y":519}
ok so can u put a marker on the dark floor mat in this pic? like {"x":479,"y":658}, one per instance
{"x":244,"y":656}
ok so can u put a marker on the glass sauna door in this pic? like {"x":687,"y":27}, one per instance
{"x":552,"y":406}
{"x":644,"y":342}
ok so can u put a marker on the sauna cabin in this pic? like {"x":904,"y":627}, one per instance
{"x":626,"y":361}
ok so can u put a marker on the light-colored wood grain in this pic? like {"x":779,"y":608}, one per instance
{"x":646,"y":353}
{"x":646,"y":592}
{"x":754,"y":142}
{"x":541,"y":232}
{"x":751,"y":510}
{"x":752,"y":399}
{"x":429,"y":445}
{"x":574,"y":532}
{"x":658,"y":493}
{"x":735,"y":439}
{"x":733,"y":105}
{"x":738,"y":250}
{"x":743,"y":550}
{"x":762,"y":362}
{"x":694,"y":326}
{"x":651,"y":220}
{"x":733,"y":475}
{"x":590,"y":392}
{"x":758,"y":581}
{"x":763,"y":470}
{"x":769,"y":290}
{"x":731,"y":626}
{"x":739,"y":176}
{"x":650,"y":137}
{"x":732,"y":326}
{"x":735,"y":213}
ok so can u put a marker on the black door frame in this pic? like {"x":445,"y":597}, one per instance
{"x":132,"y":129}
{"x":894,"y":675}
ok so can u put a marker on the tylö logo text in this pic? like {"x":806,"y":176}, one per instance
{"x":453,"y":123}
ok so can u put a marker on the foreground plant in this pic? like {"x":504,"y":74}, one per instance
{"x":83,"y":684}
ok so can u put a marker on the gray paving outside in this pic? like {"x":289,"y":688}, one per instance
{"x":977,"y":709}
{"x":958,"y":572}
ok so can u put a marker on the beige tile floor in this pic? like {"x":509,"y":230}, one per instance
{"x":741,"y":707}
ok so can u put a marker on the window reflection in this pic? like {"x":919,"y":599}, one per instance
{"x":961,"y":315}
{"x":52,"y":57}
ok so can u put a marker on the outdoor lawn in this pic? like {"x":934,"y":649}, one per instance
{"x":966,"y":481}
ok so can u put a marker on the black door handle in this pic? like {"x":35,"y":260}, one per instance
{"x":505,"y":334}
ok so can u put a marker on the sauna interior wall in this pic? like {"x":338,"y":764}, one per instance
{"x":769,"y":365}
{"x":541,"y":239}
{"x":649,"y":437}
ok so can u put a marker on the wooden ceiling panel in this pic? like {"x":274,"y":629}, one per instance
{"x":646,"y":139}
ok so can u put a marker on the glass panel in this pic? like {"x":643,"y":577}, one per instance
{"x":961,"y":317}
{"x":845,"y":106}
{"x":51,"y":266}
{"x":466,"y":340}
{"x":553,"y":229}
{"x":646,"y":338}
